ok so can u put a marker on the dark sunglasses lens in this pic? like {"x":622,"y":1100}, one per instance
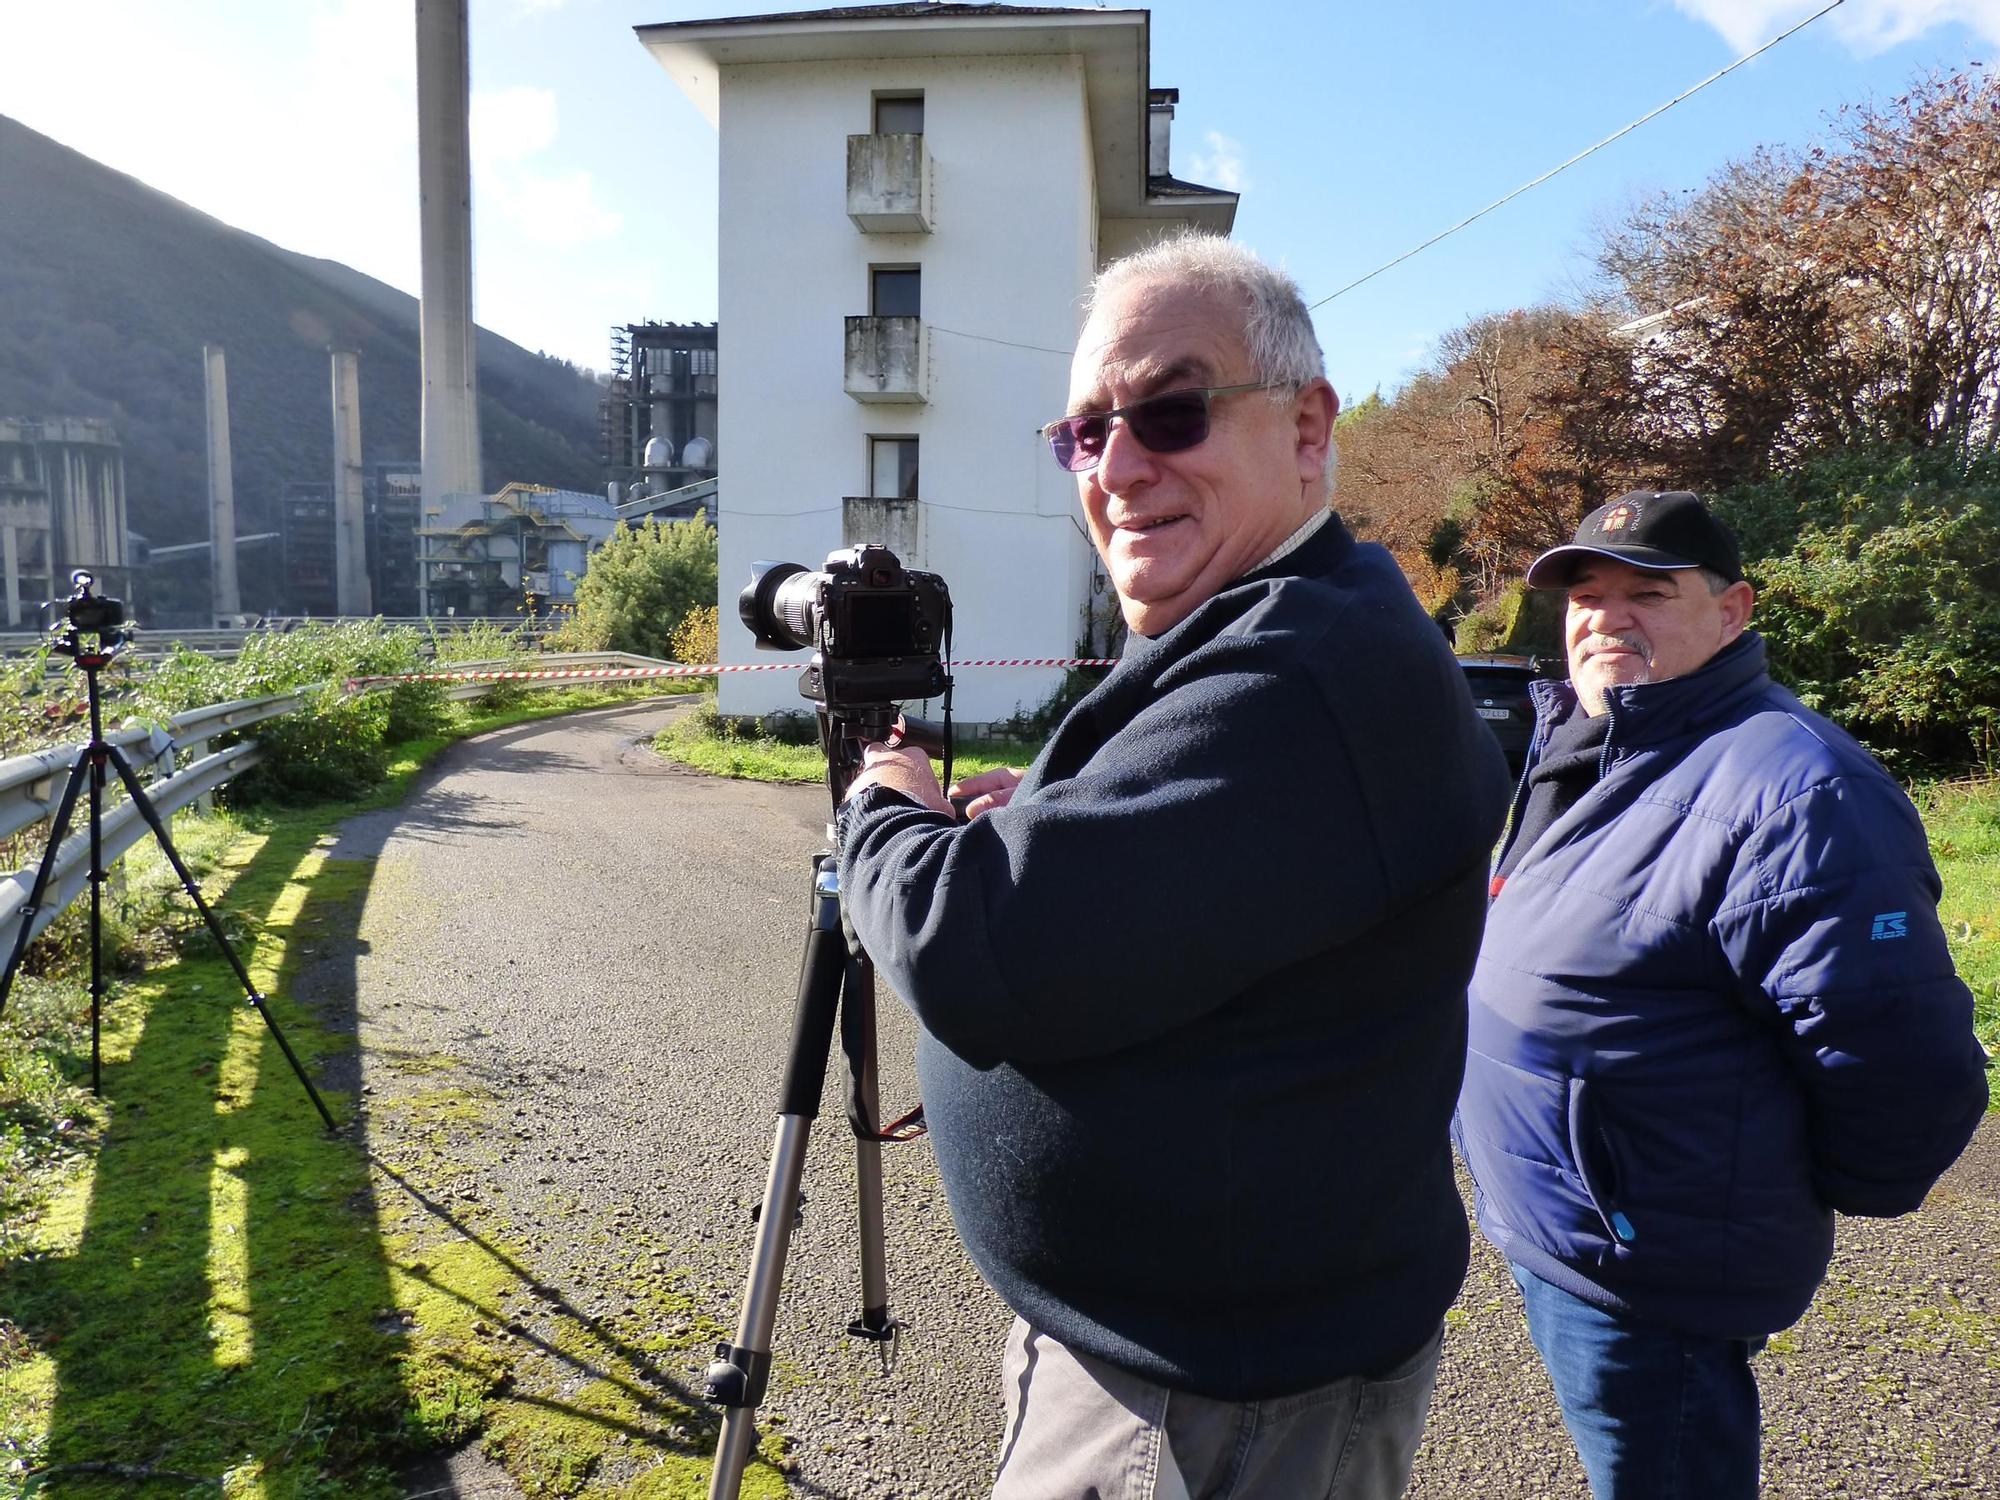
{"x":1170,"y":423}
{"x":1078,"y":442}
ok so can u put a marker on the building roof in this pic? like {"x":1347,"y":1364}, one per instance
{"x":911,"y":10}
{"x":1164,"y":185}
{"x":1113,"y":45}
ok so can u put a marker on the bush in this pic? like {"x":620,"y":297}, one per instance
{"x":642,"y":583}
{"x":698,"y":640}
{"x":337,"y":743}
{"x":1879,"y":596}
{"x":1519,"y":621}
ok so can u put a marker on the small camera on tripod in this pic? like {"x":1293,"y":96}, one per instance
{"x":85,"y":612}
{"x":878,"y":628}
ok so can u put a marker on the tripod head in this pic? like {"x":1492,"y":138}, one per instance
{"x":86,"y":613}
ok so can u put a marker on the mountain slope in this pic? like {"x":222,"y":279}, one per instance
{"x":109,"y":289}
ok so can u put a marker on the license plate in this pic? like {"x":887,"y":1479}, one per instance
{"x":1494,"y":713}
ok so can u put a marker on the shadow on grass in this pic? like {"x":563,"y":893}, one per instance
{"x":212,"y":1312}
{"x":226,"y":1305}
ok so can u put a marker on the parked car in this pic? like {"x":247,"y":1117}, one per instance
{"x":1500,"y":696}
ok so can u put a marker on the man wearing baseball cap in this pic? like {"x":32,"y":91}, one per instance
{"x":1713,"y":1007}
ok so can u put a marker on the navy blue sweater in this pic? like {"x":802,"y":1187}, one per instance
{"x":1194,"y":1002}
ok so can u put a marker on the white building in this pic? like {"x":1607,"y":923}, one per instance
{"x":913,"y":199}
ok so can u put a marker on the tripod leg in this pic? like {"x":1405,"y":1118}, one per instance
{"x":737,"y":1379}
{"x":58,"y":831}
{"x":97,"y":878}
{"x":857,"y":1030}
{"x":152,"y":817}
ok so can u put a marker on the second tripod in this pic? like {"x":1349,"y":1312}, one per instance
{"x":102,"y":619}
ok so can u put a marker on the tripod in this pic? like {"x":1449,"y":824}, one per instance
{"x":835,"y":983}
{"x":99,"y":617}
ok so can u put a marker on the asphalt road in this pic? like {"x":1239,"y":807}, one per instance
{"x":602,"y":950}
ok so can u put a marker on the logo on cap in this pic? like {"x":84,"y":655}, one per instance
{"x":1619,"y":517}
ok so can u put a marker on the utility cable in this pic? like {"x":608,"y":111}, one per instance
{"x":1587,"y":151}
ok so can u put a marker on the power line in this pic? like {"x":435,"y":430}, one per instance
{"x":987,"y":338}
{"x":1590,"y":150}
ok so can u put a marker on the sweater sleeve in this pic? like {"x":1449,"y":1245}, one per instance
{"x":1217,"y":837}
{"x":1840,"y":937}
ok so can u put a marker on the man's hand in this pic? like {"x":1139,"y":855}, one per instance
{"x":903,"y":768}
{"x":987,"y":790}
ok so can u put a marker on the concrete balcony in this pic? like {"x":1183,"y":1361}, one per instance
{"x":886,"y":360}
{"x":888,"y":184}
{"x":895,"y":523}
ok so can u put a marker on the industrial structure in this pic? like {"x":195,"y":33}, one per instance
{"x":62,"y":507}
{"x":451,"y":458}
{"x":390,"y":496}
{"x":659,"y":406}
{"x":517,"y":552}
{"x":913,"y":198}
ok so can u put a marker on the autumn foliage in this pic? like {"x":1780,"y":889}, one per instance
{"x":1832,"y":309}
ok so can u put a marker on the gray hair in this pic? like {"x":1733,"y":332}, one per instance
{"x":1278,"y":334}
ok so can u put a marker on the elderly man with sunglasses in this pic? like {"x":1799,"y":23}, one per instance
{"x":1192,"y":987}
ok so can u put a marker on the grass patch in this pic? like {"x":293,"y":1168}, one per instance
{"x":1963,"y":820}
{"x":710,"y":743}
{"x":204,"y":1292}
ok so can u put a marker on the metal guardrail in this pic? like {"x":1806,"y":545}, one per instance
{"x":152,"y":642}
{"x":31,"y":785}
{"x":120,"y":828}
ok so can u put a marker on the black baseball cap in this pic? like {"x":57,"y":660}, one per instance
{"x":1663,"y":529}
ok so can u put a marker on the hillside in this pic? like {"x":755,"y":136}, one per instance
{"x":109,"y":289}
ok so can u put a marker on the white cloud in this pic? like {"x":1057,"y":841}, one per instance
{"x":509,"y":125}
{"x":1220,"y":163}
{"x":513,"y":131}
{"x":1867,"y":26}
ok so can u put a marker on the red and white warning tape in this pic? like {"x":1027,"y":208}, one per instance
{"x":581,"y":674}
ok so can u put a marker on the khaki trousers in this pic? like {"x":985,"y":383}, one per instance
{"x":1080,"y":1429}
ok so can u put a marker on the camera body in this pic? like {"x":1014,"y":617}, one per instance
{"x":86,"y":610}
{"x":878,"y":627}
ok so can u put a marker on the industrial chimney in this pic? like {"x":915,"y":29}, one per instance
{"x":444,"y":179}
{"x":224,"y":599}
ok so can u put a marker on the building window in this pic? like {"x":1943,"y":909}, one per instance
{"x":895,"y":292}
{"x":892,"y":468}
{"x":899,"y":114}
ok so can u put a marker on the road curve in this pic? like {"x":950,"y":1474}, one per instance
{"x":604,"y":948}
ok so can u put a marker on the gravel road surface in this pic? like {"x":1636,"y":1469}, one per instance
{"x":600,"y":951}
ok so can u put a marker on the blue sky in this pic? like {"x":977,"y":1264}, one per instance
{"x":1353,"y":131}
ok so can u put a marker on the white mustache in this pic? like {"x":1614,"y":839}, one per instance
{"x":1599,"y":643}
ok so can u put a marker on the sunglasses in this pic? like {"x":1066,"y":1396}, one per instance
{"x":1170,"y":422}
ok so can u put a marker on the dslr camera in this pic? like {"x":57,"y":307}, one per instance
{"x":85,"y":610}
{"x":878,"y":628}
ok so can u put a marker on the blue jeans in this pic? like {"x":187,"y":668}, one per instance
{"x":1655,"y":1415}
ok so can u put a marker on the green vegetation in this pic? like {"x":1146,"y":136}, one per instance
{"x":642,"y":584}
{"x":734,"y":748}
{"x":1878,"y":583}
{"x":203,"y":1290}
{"x":1963,"y":819}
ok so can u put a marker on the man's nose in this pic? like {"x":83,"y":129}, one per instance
{"x":1126,"y":461}
{"x":1608,"y":616}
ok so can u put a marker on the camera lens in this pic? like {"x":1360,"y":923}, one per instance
{"x":778,"y":604}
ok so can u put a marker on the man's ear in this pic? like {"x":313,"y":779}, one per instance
{"x":1737,"y":602}
{"x":1314,"y":411}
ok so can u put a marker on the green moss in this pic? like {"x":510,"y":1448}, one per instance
{"x":203,"y":1283}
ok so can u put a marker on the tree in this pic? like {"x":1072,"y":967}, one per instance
{"x":642,"y":582}
{"x":1796,"y":305}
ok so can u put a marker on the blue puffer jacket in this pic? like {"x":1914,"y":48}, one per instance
{"x":1714,"y":1006}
